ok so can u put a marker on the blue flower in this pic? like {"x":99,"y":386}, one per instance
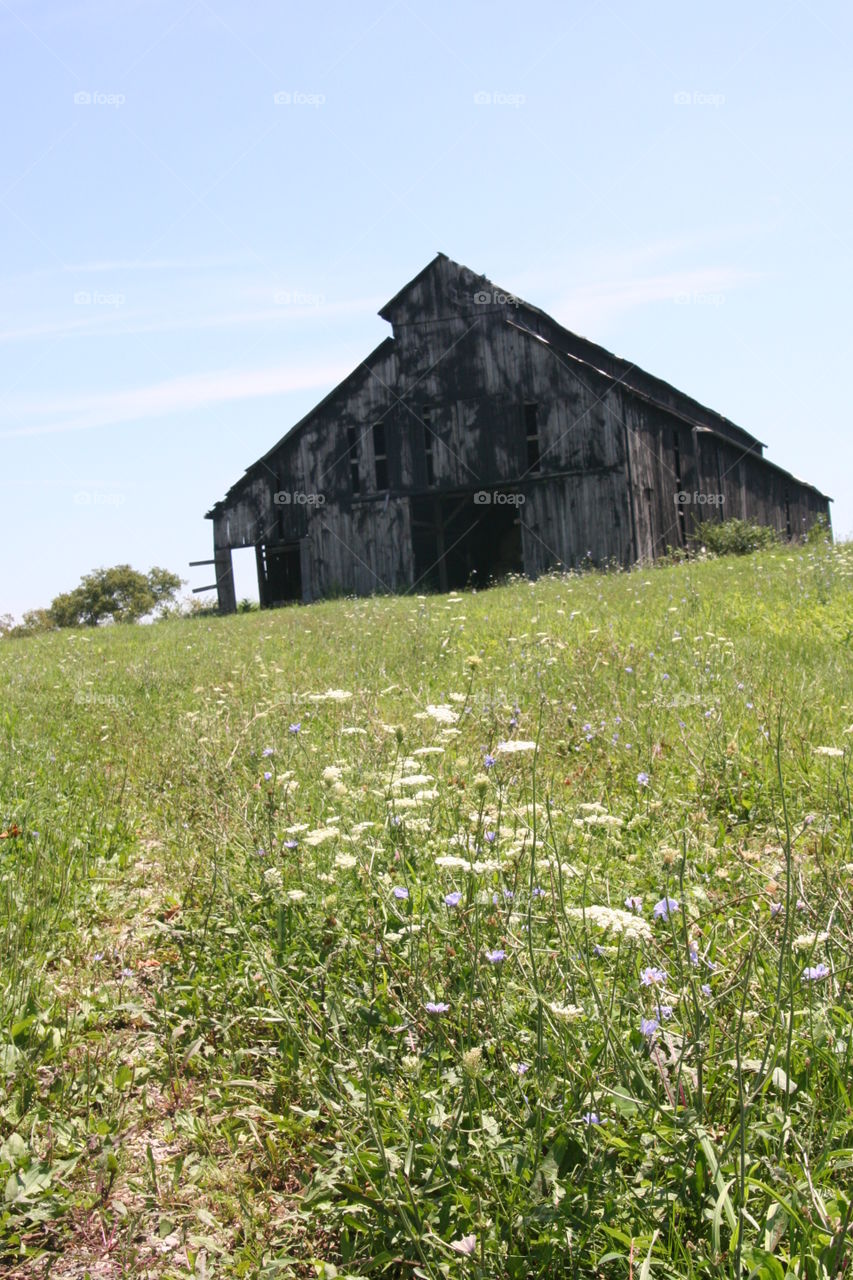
{"x":591,"y":1117}
{"x":267,"y":751}
{"x":665,"y":1011}
{"x":649,"y":1026}
{"x":290,"y":844}
{"x":400,"y":891}
{"x":521,"y":1068}
{"x":294,"y":728}
{"x":267,"y":776}
{"x":488,"y":761}
{"x":815,"y":973}
{"x":643,"y":778}
{"x":706,"y":988}
{"x":634,"y":903}
{"x":664,"y":907}
{"x":452,"y":899}
{"x":491,"y":837}
{"x":652,"y":977}
{"x":495,"y":957}
{"x":436,"y":1006}
{"x":538,"y":892}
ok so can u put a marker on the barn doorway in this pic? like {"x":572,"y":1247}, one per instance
{"x":279,"y":574}
{"x":467,"y":540}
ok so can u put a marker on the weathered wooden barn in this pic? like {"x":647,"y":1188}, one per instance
{"x":481,"y":439}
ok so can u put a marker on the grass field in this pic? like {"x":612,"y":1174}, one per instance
{"x":496,"y":935}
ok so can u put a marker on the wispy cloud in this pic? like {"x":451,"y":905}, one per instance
{"x":593,"y":305}
{"x":31,"y":416}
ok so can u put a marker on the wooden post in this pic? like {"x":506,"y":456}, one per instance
{"x":225,"y":580}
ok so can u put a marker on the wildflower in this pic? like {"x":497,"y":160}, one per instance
{"x":400,"y":891}
{"x":648,"y":1026}
{"x":665,"y":1011}
{"x":346,"y":861}
{"x":651,"y":977}
{"x":294,"y":728}
{"x":512,"y":748}
{"x":612,"y":920}
{"x":775,"y":908}
{"x":452,"y":899}
{"x":521,"y":1068}
{"x":472,"y":1061}
{"x":815,"y":972}
{"x":663,"y":908}
{"x":538,"y":891}
{"x":332,"y":773}
{"x":634,"y":904}
{"x":491,"y":837}
{"x":296,"y":895}
{"x":466,"y":1245}
{"x":496,"y":957}
{"x":267,"y":776}
{"x":693,"y":952}
{"x":436,"y":1006}
{"x":291,"y":844}
{"x":835,"y":752}
{"x":591,"y":1117}
{"x":566,"y":1012}
{"x":643,"y":778}
{"x":262,"y":853}
{"x":706,"y":988}
{"x":267,"y":751}
{"x":805,"y":941}
{"x":272,"y":878}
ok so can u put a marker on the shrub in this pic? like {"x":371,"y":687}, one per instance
{"x":734,"y":537}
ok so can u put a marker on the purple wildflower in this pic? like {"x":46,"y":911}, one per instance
{"x":436,"y":1006}
{"x":291,"y":844}
{"x":488,"y":761}
{"x":706,"y":988}
{"x":815,"y":972}
{"x":663,"y":908}
{"x":267,"y":751}
{"x":452,"y":899}
{"x":591,"y":1117}
{"x":652,"y":977}
{"x":649,"y":1026}
{"x":634,"y":903}
{"x":267,"y":775}
{"x":400,"y":891}
{"x":521,"y":1068}
{"x":643,"y":778}
{"x":294,"y":728}
{"x":496,"y":956}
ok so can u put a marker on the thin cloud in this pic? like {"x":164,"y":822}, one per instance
{"x":176,"y":395}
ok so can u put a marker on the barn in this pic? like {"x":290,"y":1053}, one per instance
{"x":479,"y":439}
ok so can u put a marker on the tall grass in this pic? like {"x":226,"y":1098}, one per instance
{"x":503,"y":934}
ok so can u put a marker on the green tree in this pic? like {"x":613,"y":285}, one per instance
{"x":119,"y":594}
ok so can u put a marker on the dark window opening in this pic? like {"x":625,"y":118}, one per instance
{"x":380,"y":456}
{"x":429,"y":440}
{"x":531,"y":431}
{"x":352,"y":450}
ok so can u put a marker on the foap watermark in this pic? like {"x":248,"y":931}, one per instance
{"x":497,"y":98}
{"x":296,"y":98}
{"x":498,"y":498}
{"x":91,"y":698}
{"x":699,"y":299}
{"x":298,"y":498}
{"x":688,"y":98}
{"x":684,"y":499}
{"x":95,"y":298}
{"x":495,"y":298}
{"x":96,"y":498}
{"x":95,"y":98}
{"x":298,"y":298}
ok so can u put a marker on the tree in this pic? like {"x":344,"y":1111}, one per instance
{"x":119,"y":594}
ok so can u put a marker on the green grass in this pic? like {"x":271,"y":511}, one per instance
{"x":218,"y":1052}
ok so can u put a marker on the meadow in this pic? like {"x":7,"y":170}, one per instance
{"x":501,"y":934}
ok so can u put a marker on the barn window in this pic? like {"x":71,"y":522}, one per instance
{"x":352,"y":450}
{"x":380,"y":456}
{"x":531,"y":431}
{"x":429,"y":439}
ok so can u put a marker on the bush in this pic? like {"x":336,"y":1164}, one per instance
{"x":734,"y":537}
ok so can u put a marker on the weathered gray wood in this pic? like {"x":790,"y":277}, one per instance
{"x":615,"y":448}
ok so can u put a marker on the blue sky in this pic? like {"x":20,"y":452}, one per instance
{"x":188,"y":264}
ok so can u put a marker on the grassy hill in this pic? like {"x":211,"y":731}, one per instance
{"x":500,"y":934}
